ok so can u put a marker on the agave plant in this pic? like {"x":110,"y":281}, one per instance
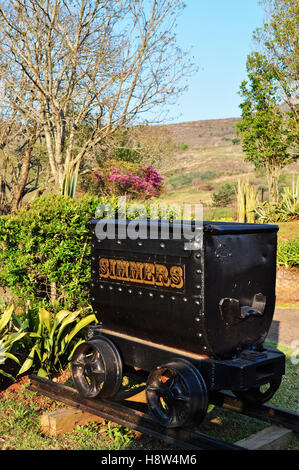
{"x":70,"y":180}
{"x":55,"y":340}
{"x":9,"y":336}
{"x":287,"y":208}
{"x":246,"y":202}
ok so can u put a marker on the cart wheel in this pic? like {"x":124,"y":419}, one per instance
{"x":258,"y":395}
{"x":97,"y":368}
{"x":177,"y":394}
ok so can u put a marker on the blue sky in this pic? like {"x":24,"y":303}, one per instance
{"x":220,"y":33}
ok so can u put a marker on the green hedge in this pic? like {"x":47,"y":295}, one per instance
{"x":45,"y":250}
{"x":48,"y":243}
{"x":288,"y":253}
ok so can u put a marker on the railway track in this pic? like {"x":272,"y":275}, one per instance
{"x":130,"y":410}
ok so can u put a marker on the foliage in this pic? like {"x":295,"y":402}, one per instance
{"x":209,"y":175}
{"x":141,"y":145}
{"x":288,"y":253}
{"x":143,"y":183}
{"x":70,"y":180}
{"x":278,"y":40}
{"x":224,"y":196}
{"x":10,"y":335}
{"x":184,"y":146}
{"x":45,"y":250}
{"x":287,"y":207}
{"x":181,"y":180}
{"x":55,"y":339}
{"x":267,"y":131}
{"x":187,"y":178}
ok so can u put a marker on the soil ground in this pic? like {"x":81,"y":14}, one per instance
{"x":287,"y":287}
{"x":285,"y":327}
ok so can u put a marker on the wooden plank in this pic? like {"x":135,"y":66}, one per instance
{"x":271,"y":438}
{"x":65,"y":420}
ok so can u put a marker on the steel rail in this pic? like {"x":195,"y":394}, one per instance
{"x":278,"y":416}
{"x":285,"y":418}
{"x":183,"y":438}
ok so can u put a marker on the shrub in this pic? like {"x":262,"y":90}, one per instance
{"x":45,"y":250}
{"x":10,"y":336}
{"x":117,"y":178}
{"x":288,"y":253}
{"x":55,"y":339}
{"x":224,"y":196}
{"x":144,"y":183}
{"x":182,"y":180}
{"x":209,"y":175}
{"x":287,"y":207}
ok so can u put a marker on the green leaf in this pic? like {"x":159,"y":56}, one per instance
{"x":14,"y":337}
{"x":6,"y":317}
{"x":82,"y":323}
{"x":11,"y":356}
{"x":75,"y":347}
{"x":45,"y":318}
{"x":59,"y":317}
{"x":42,"y":373}
{"x":69,"y":319}
{"x":7,"y":375}
{"x":28,"y":362}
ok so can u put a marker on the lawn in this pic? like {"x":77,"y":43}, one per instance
{"x":21,"y":409}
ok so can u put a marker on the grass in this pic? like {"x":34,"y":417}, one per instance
{"x":20,"y":413}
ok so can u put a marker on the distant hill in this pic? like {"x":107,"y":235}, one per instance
{"x":209,"y":155}
{"x":212,"y":132}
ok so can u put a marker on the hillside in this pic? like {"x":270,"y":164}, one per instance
{"x":210,"y":155}
{"x":212,"y":133}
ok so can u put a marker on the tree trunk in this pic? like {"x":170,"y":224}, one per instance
{"x":273,"y":173}
{"x":18,"y":195}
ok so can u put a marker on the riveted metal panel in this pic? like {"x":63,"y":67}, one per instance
{"x":235,"y":261}
{"x":238,"y":266}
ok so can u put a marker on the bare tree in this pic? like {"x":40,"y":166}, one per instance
{"x":16,"y":145}
{"x":91,"y":67}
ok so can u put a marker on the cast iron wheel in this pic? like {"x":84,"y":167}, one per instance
{"x":177,"y":394}
{"x":97,"y":368}
{"x":257,"y":395}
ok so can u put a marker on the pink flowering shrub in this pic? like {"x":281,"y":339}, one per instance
{"x":145,"y":183}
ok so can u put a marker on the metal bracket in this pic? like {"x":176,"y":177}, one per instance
{"x":232,"y":312}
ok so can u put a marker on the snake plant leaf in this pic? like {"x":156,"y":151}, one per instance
{"x":2,"y":372}
{"x":6,"y":317}
{"x":81,"y":324}
{"x":69,"y":319}
{"x":28,"y":361}
{"x":45,"y":318}
{"x":75,"y":347}
{"x":14,"y":337}
{"x":59,"y":317}
{"x":11,"y":356}
{"x":42,"y":372}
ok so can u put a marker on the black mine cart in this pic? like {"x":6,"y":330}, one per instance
{"x":192,"y":313}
